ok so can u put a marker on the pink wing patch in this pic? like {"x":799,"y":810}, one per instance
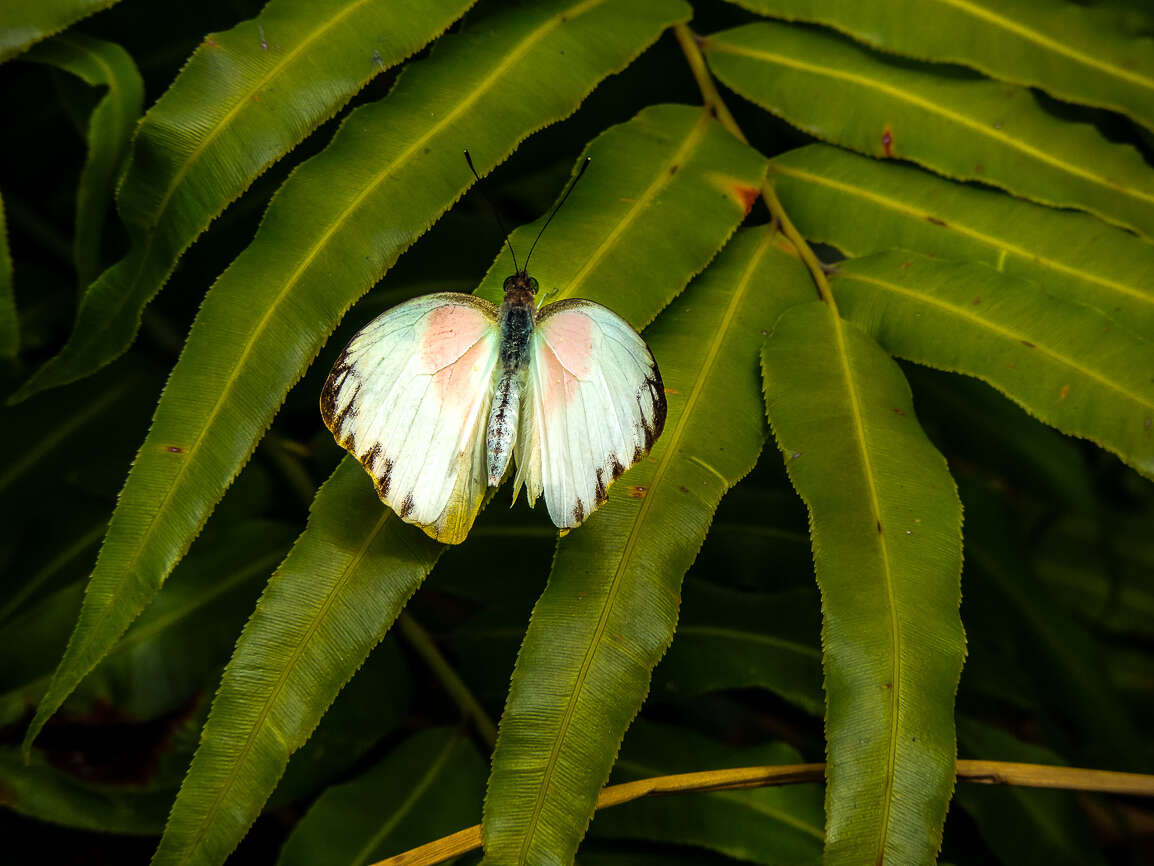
{"x":450,"y":331}
{"x":452,"y":349}
{"x":567,"y":356}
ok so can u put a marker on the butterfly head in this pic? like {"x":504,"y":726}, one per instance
{"x":520,"y":286}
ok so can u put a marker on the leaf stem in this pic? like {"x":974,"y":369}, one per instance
{"x":983,"y":772}
{"x":426,"y":648}
{"x":691,"y":47}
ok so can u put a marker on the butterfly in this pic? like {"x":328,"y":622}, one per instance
{"x":438,"y":395}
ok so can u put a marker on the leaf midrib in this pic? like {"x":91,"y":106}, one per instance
{"x":1051,"y":44}
{"x":639,"y":204}
{"x":1004,"y":332}
{"x":668,"y":455}
{"x":887,"y":573}
{"x":953,"y":223}
{"x":289,"y":666}
{"x":932,"y":108}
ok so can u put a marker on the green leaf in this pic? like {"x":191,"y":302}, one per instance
{"x":339,"y":222}
{"x":958,"y":125}
{"x":610,"y":608}
{"x":110,"y":127}
{"x":1068,"y":365}
{"x":329,"y":603}
{"x":1024,"y":826}
{"x":9,"y":323}
{"x":430,"y":786}
{"x":24,"y":22}
{"x":41,"y":791}
{"x":244,"y":99}
{"x":1093,"y":54}
{"x":728,"y":640}
{"x":886,"y":532}
{"x":765,"y":825}
{"x":864,"y":206}
{"x":154,"y":668}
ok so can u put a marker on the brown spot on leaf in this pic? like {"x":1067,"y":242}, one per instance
{"x":906,"y":264}
{"x":747,"y":195}
{"x":898,"y":411}
{"x":976,"y":301}
{"x":887,"y":142}
{"x":671,"y":391}
{"x":980,"y":169}
{"x":935,"y":220}
{"x":879,"y":523}
{"x":1064,"y":393}
{"x":638,"y":492}
{"x":673,"y":168}
{"x":1027,"y":344}
{"x":174,"y":449}
{"x":210,"y":42}
{"x":685,"y":489}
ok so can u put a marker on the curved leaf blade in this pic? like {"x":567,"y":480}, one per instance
{"x":329,"y":603}
{"x":1068,"y":365}
{"x":864,"y":206}
{"x":100,"y":64}
{"x":25,"y":22}
{"x":244,"y":99}
{"x":610,"y":608}
{"x":334,"y":228}
{"x":1092,"y":54}
{"x":886,"y":532}
{"x":9,"y":322}
{"x":430,"y":786}
{"x":46,"y":793}
{"x":962,"y":127}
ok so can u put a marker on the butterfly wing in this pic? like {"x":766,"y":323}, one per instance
{"x":409,"y":398}
{"x":594,"y":406}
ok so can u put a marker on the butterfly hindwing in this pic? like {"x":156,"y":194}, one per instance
{"x":409,"y":398}
{"x":594,"y":405}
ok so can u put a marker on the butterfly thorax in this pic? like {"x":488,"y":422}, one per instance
{"x":518,"y":314}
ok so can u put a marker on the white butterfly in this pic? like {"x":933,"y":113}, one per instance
{"x":437,"y":394}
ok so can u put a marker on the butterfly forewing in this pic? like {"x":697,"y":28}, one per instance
{"x":594,"y":405}
{"x":409,"y":398}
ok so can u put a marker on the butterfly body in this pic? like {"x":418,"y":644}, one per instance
{"x":517,"y":316}
{"x":437,"y":395}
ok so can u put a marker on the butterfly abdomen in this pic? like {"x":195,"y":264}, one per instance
{"x":516,"y":327}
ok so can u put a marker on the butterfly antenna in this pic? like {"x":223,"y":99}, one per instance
{"x":572,"y":184}
{"x":496,"y":213}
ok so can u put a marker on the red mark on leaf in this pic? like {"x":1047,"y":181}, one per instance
{"x":1064,"y":393}
{"x":638,"y":492}
{"x":887,"y":142}
{"x":175,"y":449}
{"x":976,"y":301}
{"x":747,"y":195}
